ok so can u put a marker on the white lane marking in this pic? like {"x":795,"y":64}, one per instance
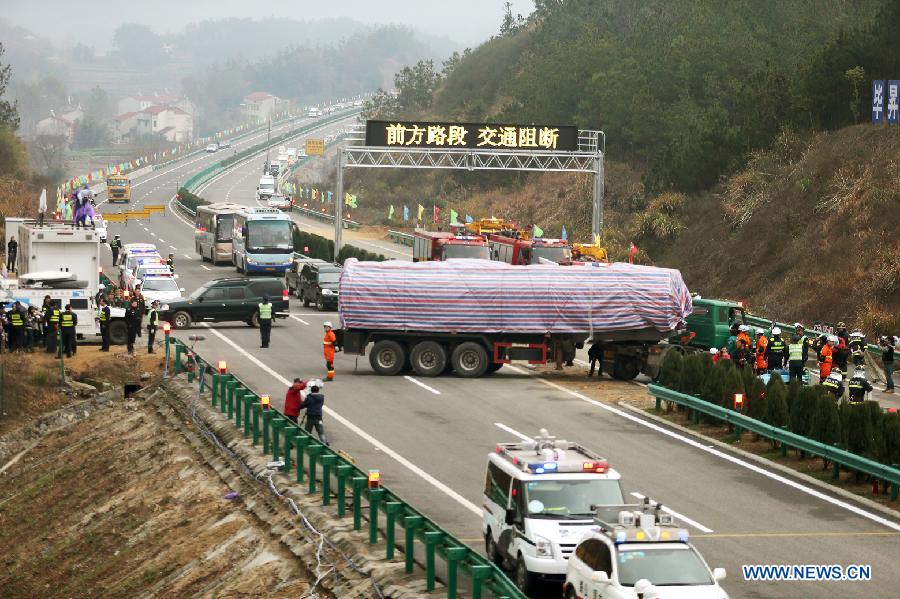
{"x":144,"y":228}
{"x":681,"y":517}
{"x":205,"y":267}
{"x":358,"y":431}
{"x":186,"y":256}
{"x":423,"y":385}
{"x":513,"y":432}
{"x":161,"y":240}
{"x":298,"y":319}
{"x":718,"y":453}
{"x":173,"y":247}
{"x":152,"y":233}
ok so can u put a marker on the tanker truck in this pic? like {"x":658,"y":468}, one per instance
{"x":474,"y":316}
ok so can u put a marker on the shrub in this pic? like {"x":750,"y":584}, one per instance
{"x":758,"y":401}
{"x":802,"y":409}
{"x":875,"y":416}
{"x":731,"y":385}
{"x":694,"y":374}
{"x":777,"y":413}
{"x":712,"y":386}
{"x":891,"y":436}
{"x":826,"y":421}
{"x":190,"y":200}
{"x":671,"y":371}
{"x":859,"y":431}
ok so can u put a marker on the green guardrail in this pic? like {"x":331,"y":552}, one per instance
{"x":838,"y":457}
{"x":314,"y":463}
{"x":323,"y":216}
{"x":401,"y":237}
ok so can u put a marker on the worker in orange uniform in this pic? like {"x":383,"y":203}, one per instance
{"x":826,"y":358}
{"x":745,"y":335}
{"x":329,"y":350}
{"x":762,"y":364}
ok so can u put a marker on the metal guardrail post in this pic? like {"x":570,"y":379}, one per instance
{"x":358,"y":483}
{"x":228,"y":400}
{"x":410,"y":525}
{"x":454,"y":556}
{"x":479,"y":575}
{"x":342,"y":472}
{"x":223,"y":394}
{"x":256,"y":411}
{"x":178,"y":349}
{"x":391,"y":509}
{"x":290,"y":436}
{"x":278,"y":424}
{"x":328,"y":462}
{"x":784,"y":446}
{"x":300,"y":444}
{"x":835,"y":466}
{"x":200,"y":369}
{"x":214,"y":396}
{"x":314,"y":451}
{"x":432,"y":538}
{"x":375,"y":496}
{"x":247,"y":408}
{"x":266,"y":431}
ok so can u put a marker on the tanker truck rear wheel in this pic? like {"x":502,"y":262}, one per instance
{"x":469,"y":359}
{"x":388,"y":357}
{"x":428,"y":358}
{"x":118,"y":333}
{"x":625,"y":368}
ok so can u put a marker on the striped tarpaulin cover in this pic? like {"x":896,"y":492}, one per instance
{"x":493,"y":297}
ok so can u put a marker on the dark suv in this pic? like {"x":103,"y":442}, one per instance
{"x":292,"y":275}
{"x":222,"y":300}
{"x":319,"y":285}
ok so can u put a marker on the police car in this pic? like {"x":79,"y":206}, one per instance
{"x":133,"y":262}
{"x":157,"y":282}
{"x":538,"y":501}
{"x":633,"y":548}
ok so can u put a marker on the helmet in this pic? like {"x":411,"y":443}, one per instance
{"x":797,"y":325}
{"x":642,"y":586}
{"x":841,"y":325}
{"x":265,"y":299}
{"x":860,"y":371}
{"x":836,"y":376}
{"x":857,"y":333}
{"x":116,"y":237}
{"x":327,"y":323}
{"x":713,"y":351}
{"x":832,"y":339}
{"x":760,"y":332}
{"x":776,"y":331}
{"x":743,"y":327}
{"x":796,"y":338}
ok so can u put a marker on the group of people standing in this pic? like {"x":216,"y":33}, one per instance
{"x":25,"y":328}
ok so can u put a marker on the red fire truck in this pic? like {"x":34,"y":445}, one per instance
{"x":514,"y":250}
{"x":441,"y":245}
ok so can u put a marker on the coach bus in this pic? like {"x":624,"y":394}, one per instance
{"x":263,"y":240}
{"x":213,"y":230}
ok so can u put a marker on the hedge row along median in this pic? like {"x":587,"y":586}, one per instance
{"x":809,"y":411}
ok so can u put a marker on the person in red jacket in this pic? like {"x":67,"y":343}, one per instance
{"x":293,"y":399}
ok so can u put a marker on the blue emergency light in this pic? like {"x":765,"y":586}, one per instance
{"x":542,"y":467}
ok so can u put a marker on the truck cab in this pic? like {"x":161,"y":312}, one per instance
{"x":517,"y":250}
{"x":538,"y":501}
{"x":709,"y":323}
{"x":441,"y":245}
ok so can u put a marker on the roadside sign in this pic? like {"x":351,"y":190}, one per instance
{"x":315,"y":147}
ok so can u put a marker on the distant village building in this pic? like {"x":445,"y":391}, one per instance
{"x":63,"y":124}
{"x":162,"y":114}
{"x":260,"y":106}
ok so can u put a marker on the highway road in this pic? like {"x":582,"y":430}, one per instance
{"x":430,"y":437}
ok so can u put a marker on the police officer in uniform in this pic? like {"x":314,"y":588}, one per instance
{"x":796,"y":361}
{"x":16,"y":317}
{"x":776,"y":351}
{"x":115,"y":245}
{"x":68,"y":320}
{"x":152,"y":324}
{"x":51,"y":319}
{"x":133,"y":323}
{"x":264,"y":316}
{"x":103,"y":318}
{"x":858,"y":386}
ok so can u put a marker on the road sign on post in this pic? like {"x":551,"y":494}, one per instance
{"x":315,"y":147}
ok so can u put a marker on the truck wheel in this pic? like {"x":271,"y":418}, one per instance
{"x":320,"y":305}
{"x":118,"y":333}
{"x":305,"y":302}
{"x":469,"y":359}
{"x":428,"y":358}
{"x":254,"y":320}
{"x":181,"y":320}
{"x":237,"y":265}
{"x":625,"y":369}
{"x":388,"y":357}
{"x":524,"y":578}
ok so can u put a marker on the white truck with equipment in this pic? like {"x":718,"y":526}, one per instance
{"x":539,"y":499}
{"x":61,"y":261}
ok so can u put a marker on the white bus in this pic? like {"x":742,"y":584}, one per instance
{"x":263,"y":240}
{"x":213,"y":230}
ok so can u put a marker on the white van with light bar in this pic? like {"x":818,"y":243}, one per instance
{"x":539,"y":499}
{"x":635,"y":548}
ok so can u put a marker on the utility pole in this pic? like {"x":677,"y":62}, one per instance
{"x":268,"y":141}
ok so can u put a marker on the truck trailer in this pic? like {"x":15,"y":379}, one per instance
{"x":473,"y":316}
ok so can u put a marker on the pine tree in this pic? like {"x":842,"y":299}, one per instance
{"x":826,"y":422}
{"x":859,"y":433}
{"x":756,"y":395}
{"x":732,"y":385}
{"x":693,"y":375}
{"x":875,"y":416}
{"x":891,"y":436}
{"x":670,"y":373}
{"x":777,"y":412}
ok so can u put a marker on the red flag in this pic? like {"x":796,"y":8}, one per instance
{"x":437,"y":214}
{"x":632,"y":252}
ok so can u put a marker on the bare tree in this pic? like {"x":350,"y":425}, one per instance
{"x":49,"y":152}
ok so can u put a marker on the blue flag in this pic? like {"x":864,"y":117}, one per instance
{"x":469,"y":219}
{"x":564,"y":235}
{"x":406,"y":213}
{"x":330,"y":195}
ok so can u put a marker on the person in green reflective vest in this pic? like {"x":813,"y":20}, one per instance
{"x":68,"y":320}
{"x":103,"y":319}
{"x":264,"y":316}
{"x":152,"y":324}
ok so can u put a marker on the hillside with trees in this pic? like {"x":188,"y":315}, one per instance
{"x":733,"y":150}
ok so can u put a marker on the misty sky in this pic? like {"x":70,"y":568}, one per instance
{"x":468,"y":22}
